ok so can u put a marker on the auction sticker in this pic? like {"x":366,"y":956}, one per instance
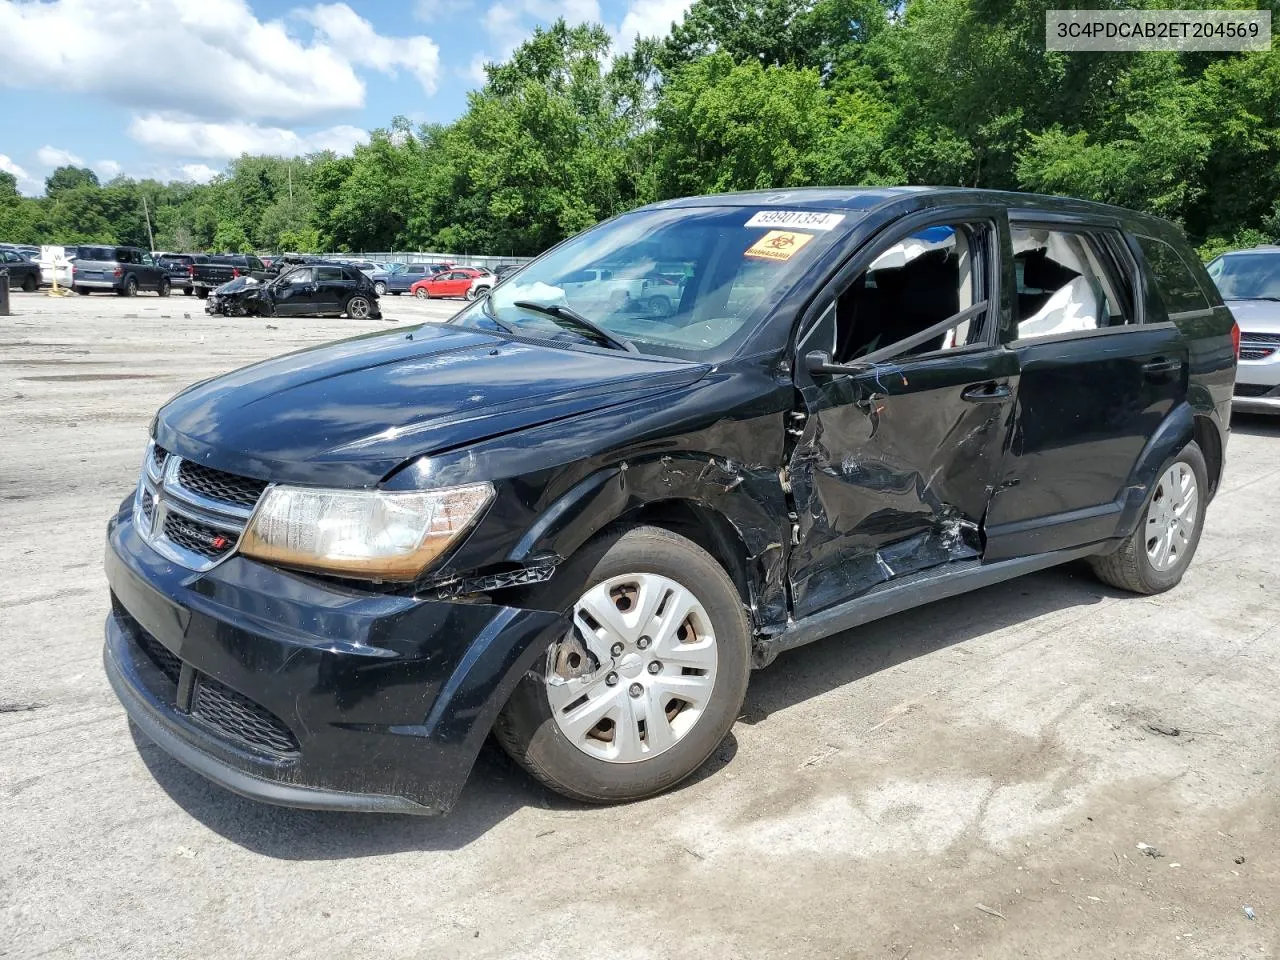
{"x":803,"y":219}
{"x":778,"y":245}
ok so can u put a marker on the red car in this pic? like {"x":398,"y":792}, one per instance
{"x":451,"y":283}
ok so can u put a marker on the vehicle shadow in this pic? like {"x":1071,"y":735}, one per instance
{"x":848,"y":657}
{"x":498,"y":788}
{"x":1255,"y":424}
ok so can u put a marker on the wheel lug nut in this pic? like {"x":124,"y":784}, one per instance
{"x":636,"y":690}
{"x":643,"y":643}
{"x":616,"y":649}
{"x":655,"y":667}
{"x":611,"y":679}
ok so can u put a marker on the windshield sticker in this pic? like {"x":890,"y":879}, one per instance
{"x":804,"y":219}
{"x":778,"y":245}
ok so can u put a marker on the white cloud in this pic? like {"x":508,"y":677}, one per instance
{"x":26,"y":182}
{"x":649,"y":18}
{"x":199,"y":172}
{"x":213,"y":59}
{"x":106,"y":169}
{"x":475,"y":70}
{"x":195,"y":138}
{"x":365,"y":46}
{"x":54,"y":157}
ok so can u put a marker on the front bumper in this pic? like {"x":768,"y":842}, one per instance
{"x":296,"y":691}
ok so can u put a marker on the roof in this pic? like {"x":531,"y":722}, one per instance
{"x":867,"y":199}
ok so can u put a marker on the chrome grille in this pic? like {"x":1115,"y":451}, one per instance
{"x":1247,"y":337}
{"x":220,"y":485}
{"x":191,"y":513}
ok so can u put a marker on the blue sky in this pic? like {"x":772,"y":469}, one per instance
{"x":175,"y":88}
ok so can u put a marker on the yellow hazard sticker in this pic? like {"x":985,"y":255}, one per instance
{"x":778,"y":245}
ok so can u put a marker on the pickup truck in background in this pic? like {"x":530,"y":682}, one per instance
{"x":178,"y":267}
{"x":224,"y":268}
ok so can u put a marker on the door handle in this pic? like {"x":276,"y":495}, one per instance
{"x":989,"y":392}
{"x":1160,"y":366}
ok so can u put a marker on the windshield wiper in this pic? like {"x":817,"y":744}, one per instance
{"x":572,"y":319}
{"x":487,"y":309}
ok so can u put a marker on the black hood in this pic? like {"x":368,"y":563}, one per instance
{"x":349,"y":413}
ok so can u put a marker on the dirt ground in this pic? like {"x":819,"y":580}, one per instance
{"x":971,"y":779}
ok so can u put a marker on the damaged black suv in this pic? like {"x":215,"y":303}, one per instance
{"x":697,"y":435}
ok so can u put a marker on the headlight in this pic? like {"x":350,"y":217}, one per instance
{"x":361,"y":533}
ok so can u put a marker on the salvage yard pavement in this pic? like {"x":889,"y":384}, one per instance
{"x":1045,"y":768}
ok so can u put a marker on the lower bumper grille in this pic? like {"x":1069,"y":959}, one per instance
{"x":219,"y":708}
{"x":239,"y":718}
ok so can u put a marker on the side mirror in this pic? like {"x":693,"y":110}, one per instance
{"x":819,"y":361}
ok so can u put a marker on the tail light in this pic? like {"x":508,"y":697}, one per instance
{"x":235,"y":272}
{"x":1235,"y":339}
{"x":118,"y":272}
{"x":191,"y":270}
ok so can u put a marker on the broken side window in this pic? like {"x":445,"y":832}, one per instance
{"x":1063,"y":283}
{"x":912,"y":285}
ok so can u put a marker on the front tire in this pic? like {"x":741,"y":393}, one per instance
{"x":380,"y":288}
{"x":421,"y":293}
{"x":646,"y":684}
{"x":81,"y":290}
{"x":202,"y":293}
{"x":1155,"y":556}
{"x":29,"y":284}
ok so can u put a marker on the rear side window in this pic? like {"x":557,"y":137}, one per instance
{"x":328,"y":273}
{"x":1063,"y":283}
{"x":1174,"y":279}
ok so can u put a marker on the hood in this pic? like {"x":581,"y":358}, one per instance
{"x":1256,"y":316}
{"x":349,"y":413}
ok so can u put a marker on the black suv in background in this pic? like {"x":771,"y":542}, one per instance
{"x":178,"y":267}
{"x":576,"y":521}
{"x":125,"y":270}
{"x":23,"y":272}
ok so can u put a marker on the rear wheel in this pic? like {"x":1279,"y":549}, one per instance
{"x":82,"y":291}
{"x":358,"y":308}
{"x":29,"y":284}
{"x":647,"y":682}
{"x":164,"y":287}
{"x":1158,"y":552}
{"x":202,"y":293}
{"x":130,"y":288}
{"x":477,"y":292}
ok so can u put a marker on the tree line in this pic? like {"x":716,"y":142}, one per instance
{"x":741,"y":94}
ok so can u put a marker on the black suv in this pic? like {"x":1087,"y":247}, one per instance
{"x":179,"y":268}
{"x":577,"y":522}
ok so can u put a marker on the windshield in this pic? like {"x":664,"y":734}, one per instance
{"x":1247,"y":276}
{"x":690,"y":283}
{"x":394,"y":268}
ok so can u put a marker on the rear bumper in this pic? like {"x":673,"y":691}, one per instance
{"x":294,"y":691}
{"x":96,"y":284}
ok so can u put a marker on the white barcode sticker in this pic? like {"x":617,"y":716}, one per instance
{"x":802,"y":219}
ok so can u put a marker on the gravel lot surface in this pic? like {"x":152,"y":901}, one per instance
{"x":971,"y":779}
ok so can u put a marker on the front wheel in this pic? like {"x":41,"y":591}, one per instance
{"x":82,"y":291}
{"x":648,"y":680}
{"x":29,"y":284}
{"x":380,"y":288}
{"x":358,"y":308}
{"x":421,"y":293}
{"x":202,"y":293}
{"x":1156,"y":555}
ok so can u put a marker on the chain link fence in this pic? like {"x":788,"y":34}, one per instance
{"x":457,"y":259}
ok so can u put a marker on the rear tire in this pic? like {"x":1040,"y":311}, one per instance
{"x":29,"y":285}
{"x":1155,"y":556}
{"x":164,"y":288}
{"x":646,"y":749}
{"x":81,"y":290}
{"x":130,"y":288}
{"x":202,"y":293}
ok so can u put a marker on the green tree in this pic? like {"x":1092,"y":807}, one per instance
{"x":69,"y":178}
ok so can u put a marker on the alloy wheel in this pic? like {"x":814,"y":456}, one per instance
{"x":637,"y":670}
{"x":1171,"y":517}
{"x":358,"y":308}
